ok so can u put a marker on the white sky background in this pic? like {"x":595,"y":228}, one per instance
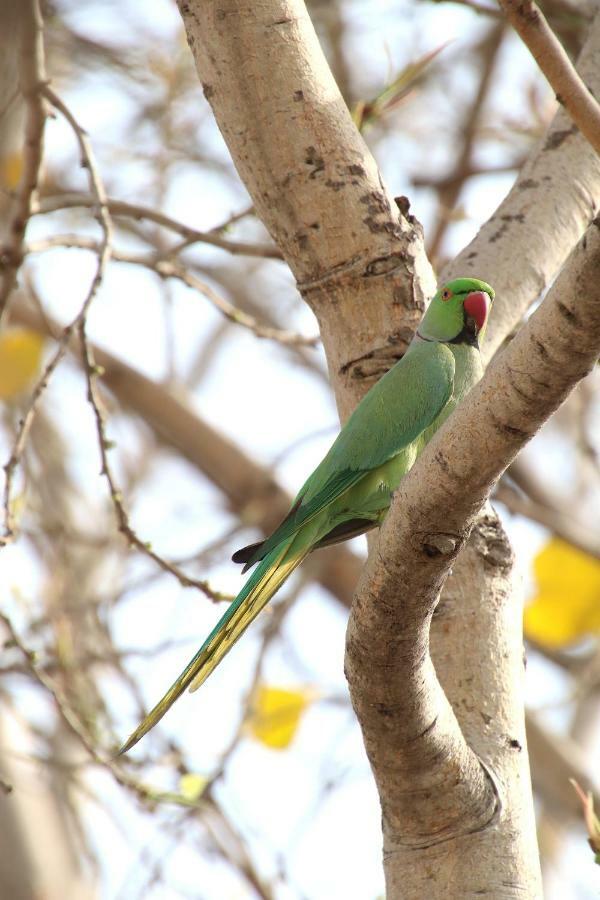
{"x":331,"y":843}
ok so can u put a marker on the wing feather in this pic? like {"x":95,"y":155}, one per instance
{"x":399,"y":408}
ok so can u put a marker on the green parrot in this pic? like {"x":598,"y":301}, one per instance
{"x":350,"y":490}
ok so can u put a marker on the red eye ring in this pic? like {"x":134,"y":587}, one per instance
{"x":446,"y":294}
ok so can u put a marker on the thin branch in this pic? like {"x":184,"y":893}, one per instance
{"x":251,"y":490}
{"x":145,"y":793}
{"x":104,"y":251}
{"x":524,"y":244}
{"x":169,"y":269}
{"x":32,"y":78}
{"x":555,"y":759}
{"x":533,"y":29}
{"x":449,"y":190}
{"x":558,"y":522}
{"x":139,"y":212}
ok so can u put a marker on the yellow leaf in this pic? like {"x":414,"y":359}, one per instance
{"x":20,"y":356}
{"x":275,"y":714}
{"x":11,"y":169}
{"x":566,"y":606}
{"x":191,"y":786}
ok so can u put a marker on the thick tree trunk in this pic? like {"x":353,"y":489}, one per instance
{"x":467,"y":825}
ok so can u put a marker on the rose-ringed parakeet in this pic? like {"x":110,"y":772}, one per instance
{"x":350,"y":490}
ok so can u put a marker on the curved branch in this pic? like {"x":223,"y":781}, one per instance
{"x":419,"y":753}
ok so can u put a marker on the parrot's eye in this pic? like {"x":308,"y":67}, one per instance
{"x":446,"y":294}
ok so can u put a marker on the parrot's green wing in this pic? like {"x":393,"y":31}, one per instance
{"x":405,"y":402}
{"x":393,"y":414}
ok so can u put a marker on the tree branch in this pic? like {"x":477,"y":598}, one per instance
{"x":166,"y":268}
{"x":571,"y":92}
{"x":524,"y":244}
{"x":252,"y":491}
{"x":32,"y":79}
{"x":417,"y":751}
{"x":136,"y":211}
{"x":317,"y":189}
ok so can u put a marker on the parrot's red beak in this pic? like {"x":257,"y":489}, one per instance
{"x":477,"y":306}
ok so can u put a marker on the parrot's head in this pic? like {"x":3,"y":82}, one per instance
{"x":459,"y":312}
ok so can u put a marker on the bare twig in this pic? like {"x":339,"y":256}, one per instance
{"x":32,"y":78}
{"x":559,"y":522}
{"x":529,"y":22}
{"x":104,"y":250}
{"x":168,"y":269}
{"x":478,"y":8}
{"x":555,"y":759}
{"x":251,"y":490}
{"x":140,"y":212}
{"x":449,"y":189}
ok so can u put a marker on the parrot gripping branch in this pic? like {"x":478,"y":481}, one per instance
{"x":419,"y":753}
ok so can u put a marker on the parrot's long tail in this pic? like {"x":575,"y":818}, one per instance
{"x":256,"y":593}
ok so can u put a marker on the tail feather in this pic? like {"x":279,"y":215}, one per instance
{"x":253,"y":597}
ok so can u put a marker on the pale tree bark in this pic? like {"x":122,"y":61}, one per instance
{"x":436,"y":779}
{"x":451,"y":764}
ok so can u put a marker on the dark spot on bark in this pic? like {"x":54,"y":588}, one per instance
{"x":401,"y":336}
{"x":472,"y":254}
{"x":335,"y":185}
{"x":566,"y":313}
{"x":557,"y":138}
{"x":524,"y":395}
{"x":302,"y":240}
{"x":384,"y":264}
{"x":313,"y":159}
{"x":375,"y":202}
{"x":498,"y":234}
{"x":527,"y":183}
{"x":442,"y":462}
{"x":515,"y":217}
{"x":515,"y":744}
{"x":315,"y":226}
{"x":353,"y":363}
{"x":298,"y":96}
{"x":487,"y":719}
{"x":382,"y":227}
{"x":284,"y":21}
{"x":357,"y":170}
{"x":541,"y":349}
{"x":511,"y":430}
{"x":208,"y":90}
